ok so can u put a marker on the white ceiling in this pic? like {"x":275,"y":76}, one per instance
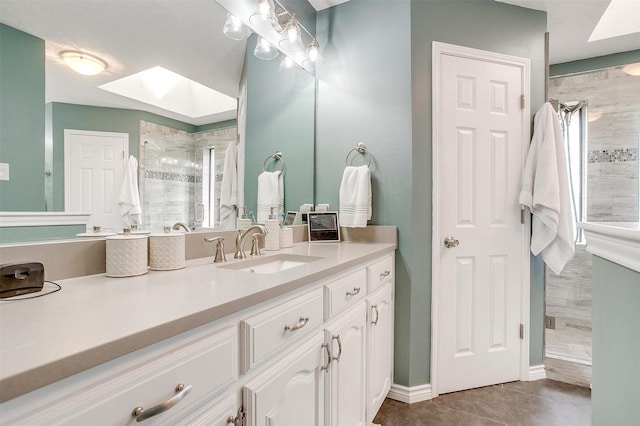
{"x":185,"y":36}
{"x":570,"y":24}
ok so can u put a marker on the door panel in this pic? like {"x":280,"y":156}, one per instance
{"x":479,"y":283}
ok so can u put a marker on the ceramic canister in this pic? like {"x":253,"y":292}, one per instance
{"x":286,"y":237}
{"x":126,"y":255}
{"x":166,"y":251}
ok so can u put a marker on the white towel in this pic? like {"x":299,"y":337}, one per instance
{"x":229,"y":188}
{"x":355,"y":197}
{"x":129,"y":200}
{"x":547,"y":194}
{"x":270,"y":194}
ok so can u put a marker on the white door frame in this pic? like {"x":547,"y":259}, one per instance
{"x":440,"y":49}
{"x":67,"y":157}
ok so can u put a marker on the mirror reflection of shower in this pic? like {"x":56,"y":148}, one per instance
{"x":180,"y":175}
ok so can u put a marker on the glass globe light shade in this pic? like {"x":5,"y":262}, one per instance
{"x":235,"y":29}
{"x":265,"y":50}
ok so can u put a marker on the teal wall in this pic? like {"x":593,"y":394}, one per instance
{"x":22,"y":120}
{"x":83,"y":117}
{"x":597,"y":63}
{"x":375,"y":87}
{"x":19,"y":234}
{"x":218,"y":125}
{"x":279,"y":117}
{"x":615,"y":397}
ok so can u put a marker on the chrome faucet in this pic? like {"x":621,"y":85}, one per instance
{"x":179,"y":225}
{"x":242,"y":237}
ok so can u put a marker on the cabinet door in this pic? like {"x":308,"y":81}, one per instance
{"x":379,"y":348}
{"x":215,"y":414}
{"x":346,"y":336}
{"x":291,"y":392}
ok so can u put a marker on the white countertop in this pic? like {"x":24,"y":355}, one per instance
{"x":618,"y":242}
{"x":95,"y":319}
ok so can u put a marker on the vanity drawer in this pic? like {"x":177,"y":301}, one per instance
{"x":265,"y":334}
{"x":205,"y":367}
{"x":345,"y":292}
{"x":379,"y":273}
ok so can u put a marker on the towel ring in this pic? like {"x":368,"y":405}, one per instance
{"x":276,"y":156}
{"x":362,"y":149}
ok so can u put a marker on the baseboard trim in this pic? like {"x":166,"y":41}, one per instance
{"x":411,"y":394}
{"x":537,"y":372}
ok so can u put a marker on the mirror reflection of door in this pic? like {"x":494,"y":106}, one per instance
{"x":94,"y":165}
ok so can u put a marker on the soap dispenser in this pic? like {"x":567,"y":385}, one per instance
{"x":272,"y":239}
{"x":243,"y":222}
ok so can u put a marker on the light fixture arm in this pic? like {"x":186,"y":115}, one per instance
{"x":290,"y":15}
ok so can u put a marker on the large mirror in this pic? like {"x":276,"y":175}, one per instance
{"x":185,"y":37}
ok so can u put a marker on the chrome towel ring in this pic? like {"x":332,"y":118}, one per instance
{"x":276,"y":156}
{"x":362,"y":149}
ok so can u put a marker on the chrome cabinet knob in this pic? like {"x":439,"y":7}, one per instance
{"x":450,"y":242}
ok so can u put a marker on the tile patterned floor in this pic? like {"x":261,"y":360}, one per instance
{"x":540,"y":403}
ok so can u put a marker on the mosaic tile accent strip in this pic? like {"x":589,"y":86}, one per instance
{"x":613,"y":155}
{"x":150,"y":174}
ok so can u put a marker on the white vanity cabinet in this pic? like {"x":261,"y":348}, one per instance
{"x":379,"y":348}
{"x":182,"y":378}
{"x":346,"y":378}
{"x":292,"y":391}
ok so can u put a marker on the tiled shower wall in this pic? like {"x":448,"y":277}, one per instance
{"x":612,"y":195}
{"x":171,"y":172}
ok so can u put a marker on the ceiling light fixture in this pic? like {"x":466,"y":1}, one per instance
{"x":83,"y":63}
{"x":632,"y":69}
{"x":292,"y":36}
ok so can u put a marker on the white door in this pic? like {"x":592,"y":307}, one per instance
{"x":347,"y":373}
{"x":94,"y":165}
{"x":290,"y":393}
{"x":379,"y":348}
{"x":481,"y":133}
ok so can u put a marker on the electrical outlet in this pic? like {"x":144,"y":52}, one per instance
{"x":4,"y":171}
{"x":550,"y":322}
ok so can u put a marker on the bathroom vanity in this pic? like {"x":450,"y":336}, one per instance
{"x":211,"y":344}
{"x":616,"y":321}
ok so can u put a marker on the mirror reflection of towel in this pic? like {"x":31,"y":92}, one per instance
{"x":270,"y":194}
{"x":229,"y":188}
{"x":129,"y":200}
{"x":355,"y":197}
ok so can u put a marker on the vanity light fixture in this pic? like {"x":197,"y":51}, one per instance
{"x":265,"y":15}
{"x":265,"y":50}
{"x":292,"y":35}
{"x":287,"y":65}
{"x":83,"y":63}
{"x":235,"y":29}
{"x":314,"y":57}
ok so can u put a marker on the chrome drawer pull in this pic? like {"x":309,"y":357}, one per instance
{"x":385,"y":274}
{"x":375,"y":307}
{"x":326,"y":367}
{"x":337,"y":358}
{"x":301,"y":323}
{"x":353,"y":292}
{"x":141,"y":414}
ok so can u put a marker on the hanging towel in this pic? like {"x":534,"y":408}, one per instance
{"x":229,"y":188}
{"x":270,"y":194}
{"x":355,"y":197}
{"x":546,"y":192}
{"x":129,"y":200}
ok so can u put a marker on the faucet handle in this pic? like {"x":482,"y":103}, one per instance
{"x":219,"y":257}
{"x":255,"y":246}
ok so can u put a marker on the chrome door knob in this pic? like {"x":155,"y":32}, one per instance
{"x":450,"y":242}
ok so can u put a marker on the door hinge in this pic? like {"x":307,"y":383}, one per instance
{"x":239,"y":419}
{"x":521,"y":331}
{"x":522,"y":101}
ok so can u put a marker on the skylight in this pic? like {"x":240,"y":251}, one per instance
{"x":173,"y":92}
{"x":620,"y":18}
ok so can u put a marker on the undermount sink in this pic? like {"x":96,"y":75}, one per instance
{"x":272,"y":264}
